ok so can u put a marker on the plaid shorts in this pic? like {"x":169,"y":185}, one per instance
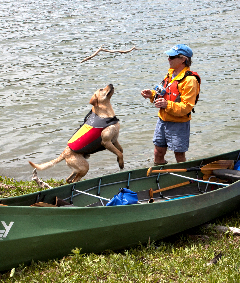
{"x":173,"y":135}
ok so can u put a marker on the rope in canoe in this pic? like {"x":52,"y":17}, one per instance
{"x":197,"y":180}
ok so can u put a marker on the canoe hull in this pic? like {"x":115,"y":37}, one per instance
{"x":48,"y":233}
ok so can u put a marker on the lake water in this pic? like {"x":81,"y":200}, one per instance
{"x":45,"y":89}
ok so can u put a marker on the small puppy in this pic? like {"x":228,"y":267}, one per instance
{"x":99,"y":131}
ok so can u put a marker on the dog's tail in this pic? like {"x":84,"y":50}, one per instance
{"x":48,"y":164}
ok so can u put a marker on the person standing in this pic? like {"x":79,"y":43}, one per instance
{"x":175,"y":97}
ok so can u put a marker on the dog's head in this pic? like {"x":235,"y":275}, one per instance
{"x":102,"y":94}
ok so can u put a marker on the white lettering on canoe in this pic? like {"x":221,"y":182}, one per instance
{"x":4,"y":233}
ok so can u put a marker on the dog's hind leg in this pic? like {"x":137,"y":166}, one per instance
{"x":71,"y":177}
{"x":75,"y":177}
{"x":78,"y":177}
{"x":79,"y":166}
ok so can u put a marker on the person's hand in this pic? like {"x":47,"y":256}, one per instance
{"x":161,"y":103}
{"x":146,"y":93}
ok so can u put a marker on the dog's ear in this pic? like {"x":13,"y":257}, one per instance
{"x":94,"y":100}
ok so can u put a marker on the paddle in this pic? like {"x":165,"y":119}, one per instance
{"x":151,"y":191}
{"x":206,"y":169}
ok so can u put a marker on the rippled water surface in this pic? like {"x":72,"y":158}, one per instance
{"x":45,"y":89}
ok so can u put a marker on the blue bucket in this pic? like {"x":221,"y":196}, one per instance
{"x":237,"y":166}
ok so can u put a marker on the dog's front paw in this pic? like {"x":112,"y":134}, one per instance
{"x":120,"y":162}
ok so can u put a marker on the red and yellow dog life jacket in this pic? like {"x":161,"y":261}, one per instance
{"x":87,"y":139}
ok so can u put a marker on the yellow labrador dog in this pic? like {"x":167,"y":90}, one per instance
{"x":99,"y":131}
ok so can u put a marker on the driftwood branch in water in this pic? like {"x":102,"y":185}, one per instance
{"x":110,"y":51}
{"x":40,"y":183}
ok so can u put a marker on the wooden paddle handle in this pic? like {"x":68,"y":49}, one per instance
{"x":150,"y":171}
{"x":151,"y":192}
{"x":206,"y":169}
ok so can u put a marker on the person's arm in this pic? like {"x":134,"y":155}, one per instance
{"x":147,"y":93}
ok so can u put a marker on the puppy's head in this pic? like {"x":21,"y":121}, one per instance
{"x":102,"y":95}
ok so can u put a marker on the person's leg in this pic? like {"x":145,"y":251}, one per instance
{"x":180,"y":156}
{"x":160,"y":144}
{"x":159,"y":153}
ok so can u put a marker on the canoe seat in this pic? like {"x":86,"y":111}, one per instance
{"x":227,"y":174}
{"x":43,"y":204}
{"x":57,"y":203}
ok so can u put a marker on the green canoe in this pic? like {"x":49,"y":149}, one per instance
{"x":40,"y":233}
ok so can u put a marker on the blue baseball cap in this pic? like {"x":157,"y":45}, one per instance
{"x":180,"y":49}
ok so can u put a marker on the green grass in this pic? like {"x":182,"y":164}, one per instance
{"x":180,"y":258}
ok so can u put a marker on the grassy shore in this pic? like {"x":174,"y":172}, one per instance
{"x":185,"y":257}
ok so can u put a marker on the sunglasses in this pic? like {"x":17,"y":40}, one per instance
{"x":174,"y":57}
